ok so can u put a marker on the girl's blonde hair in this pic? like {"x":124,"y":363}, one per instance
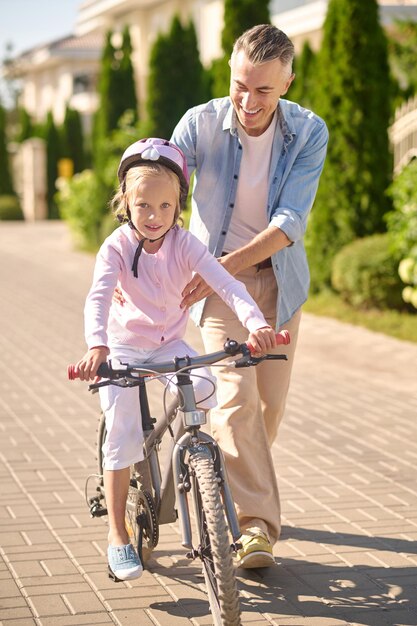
{"x":134,"y":177}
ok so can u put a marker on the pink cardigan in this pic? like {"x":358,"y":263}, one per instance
{"x":151,"y":314}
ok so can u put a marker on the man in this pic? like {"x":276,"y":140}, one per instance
{"x":257,"y":162}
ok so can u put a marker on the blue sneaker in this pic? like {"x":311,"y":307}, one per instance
{"x":124,"y":563}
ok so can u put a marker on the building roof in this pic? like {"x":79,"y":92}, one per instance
{"x":87,"y":47}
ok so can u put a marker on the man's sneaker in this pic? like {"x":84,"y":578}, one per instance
{"x":124,"y":563}
{"x":256,"y":550}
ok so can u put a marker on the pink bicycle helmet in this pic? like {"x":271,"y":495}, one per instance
{"x":158,"y":151}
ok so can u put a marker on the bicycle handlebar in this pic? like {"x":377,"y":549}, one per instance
{"x":231,"y":348}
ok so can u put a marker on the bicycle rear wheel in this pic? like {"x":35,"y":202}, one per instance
{"x":215,"y":545}
{"x":140,"y":503}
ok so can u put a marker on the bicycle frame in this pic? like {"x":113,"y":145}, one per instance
{"x":173,"y":484}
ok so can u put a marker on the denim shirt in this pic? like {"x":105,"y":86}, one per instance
{"x":207,"y":134}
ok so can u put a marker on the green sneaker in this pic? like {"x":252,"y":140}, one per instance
{"x":256,"y":550}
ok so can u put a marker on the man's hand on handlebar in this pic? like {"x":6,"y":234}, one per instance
{"x":87,"y":367}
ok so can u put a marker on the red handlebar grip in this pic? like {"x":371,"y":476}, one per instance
{"x":282,"y":339}
{"x":72,"y":372}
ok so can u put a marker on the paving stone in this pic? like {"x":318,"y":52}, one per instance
{"x":48,"y":605}
{"x":96,"y":619}
{"x":345,"y":457}
{"x":15,"y":613}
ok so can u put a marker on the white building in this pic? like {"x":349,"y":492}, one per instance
{"x":65,"y":71}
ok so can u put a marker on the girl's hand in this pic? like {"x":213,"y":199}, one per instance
{"x":87,"y":367}
{"x":262,"y":340}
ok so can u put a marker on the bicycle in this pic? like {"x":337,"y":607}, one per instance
{"x":196,"y":465}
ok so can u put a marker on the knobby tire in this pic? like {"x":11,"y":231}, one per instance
{"x":215,"y":544}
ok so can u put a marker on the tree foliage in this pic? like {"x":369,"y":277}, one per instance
{"x":117,"y":92}
{"x":107,"y":83}
{"x":25,"y":126}
{"x":176,"y":78}
{"x":53,"y":154}
{"x":126,"y":98}
{"x":302,"y":88}
{"x":353,"y":98}
{"x":402,"y":45}
{"x":402,"y":226}
{"x":239,"y":15}
{"x":72,"y":139}
{"x":6,"y":184}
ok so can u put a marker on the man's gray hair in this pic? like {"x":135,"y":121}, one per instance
{"x":265,"y":42}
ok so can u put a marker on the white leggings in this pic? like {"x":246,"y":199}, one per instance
{"x":124,"y":441}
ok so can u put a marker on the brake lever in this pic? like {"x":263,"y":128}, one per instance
{"x":249,"y":361}
{"x":121,"y":382}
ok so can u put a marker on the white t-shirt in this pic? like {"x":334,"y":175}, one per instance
{"x":250,"y":211}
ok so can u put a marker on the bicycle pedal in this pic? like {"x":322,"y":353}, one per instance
{"x":235,"y":547}
{"x":96,"y":509}
{"x":112,"y":575}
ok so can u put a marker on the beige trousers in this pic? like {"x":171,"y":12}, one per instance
{"x":251,"y":403}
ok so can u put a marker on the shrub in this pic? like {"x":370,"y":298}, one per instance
{"x":365,"y":273}
{"x":402,"y":226}
{"x":83,"y":203}
{"x":10,"y":208}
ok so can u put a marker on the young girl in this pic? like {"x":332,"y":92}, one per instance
{"x":150,"y":259}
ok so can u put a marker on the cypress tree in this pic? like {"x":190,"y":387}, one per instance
{"x":72,"y":140}
{"x":105,"y":119}
{"x":302,"y":88}
{"x":53,"y":154}
{"x":6,"y":184}
{"x":175,"y":78}
{"x":127,"y":78}
{"x":353,"y":98}
{"x":26,"y":129}
{"x":116,"y":92}
{"x":239,"y":15}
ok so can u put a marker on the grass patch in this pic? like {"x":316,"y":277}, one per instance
{"x":396,"y":324}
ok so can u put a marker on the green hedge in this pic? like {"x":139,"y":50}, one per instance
{"x":10,"y":208}
{"x":365,"y":274}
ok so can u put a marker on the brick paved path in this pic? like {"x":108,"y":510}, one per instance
{"x":346,"y":457}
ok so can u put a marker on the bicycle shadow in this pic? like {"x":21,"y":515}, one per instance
{"x":307,"y":588}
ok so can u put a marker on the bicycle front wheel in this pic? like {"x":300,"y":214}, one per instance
{"x":215,"y":545}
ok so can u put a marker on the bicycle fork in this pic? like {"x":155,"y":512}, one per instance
{"x":182,"y":481}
